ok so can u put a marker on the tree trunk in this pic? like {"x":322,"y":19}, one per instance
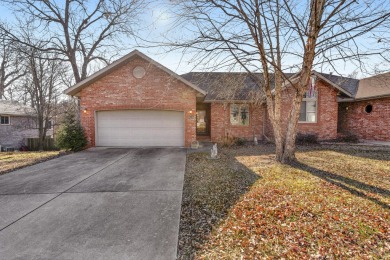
{"x":292,"y":128}
{"x":274,"y":112}
{"x":41,"y":139}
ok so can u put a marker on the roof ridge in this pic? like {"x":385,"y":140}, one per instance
{"x":331,"y":74}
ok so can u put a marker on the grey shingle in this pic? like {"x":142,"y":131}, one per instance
{"x":239,"y":86}
{"x":349,"y":84}
{"x":227,"y":85}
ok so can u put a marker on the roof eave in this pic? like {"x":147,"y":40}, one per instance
{"x":340,"y":100}
{"x":372,"y":97}
{"x":17,"y":114}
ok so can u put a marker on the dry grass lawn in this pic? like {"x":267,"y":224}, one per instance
{"x":333,"y":203}
{"x":10,"y":161}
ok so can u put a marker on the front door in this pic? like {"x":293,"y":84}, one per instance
{"x":203,"y":119}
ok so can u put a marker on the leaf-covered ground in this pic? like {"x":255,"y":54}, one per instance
{"x":333,"y":203}
{"x":10,"y":161}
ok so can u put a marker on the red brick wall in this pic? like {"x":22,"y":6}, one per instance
{"x":157,"y":90}
{"x":221,"y":127}
{"x":326,"y":126}
{"x":372,"y":126}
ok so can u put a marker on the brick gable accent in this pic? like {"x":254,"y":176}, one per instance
{"x":120,"y":90}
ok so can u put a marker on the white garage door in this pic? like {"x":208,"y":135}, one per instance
{"x":140,"y":128}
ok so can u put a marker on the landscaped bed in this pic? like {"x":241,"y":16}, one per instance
{"x":10,"y":161}
{"x":333,"y":202}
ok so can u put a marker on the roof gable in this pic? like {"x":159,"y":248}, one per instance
{"x":348,"y":86}
{"x":75,"y":89}
{"x":367,"y":88}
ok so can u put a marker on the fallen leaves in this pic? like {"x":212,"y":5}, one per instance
{"x":245,"y":206}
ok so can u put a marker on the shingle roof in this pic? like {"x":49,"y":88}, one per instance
{"x":349,"y":84}
{"x":227,"y":85}
{"x":13,"y":108}
{"x":241,"y":87}
{"x":373,"y":87}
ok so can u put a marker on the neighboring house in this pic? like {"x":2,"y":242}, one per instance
{"x":17,"y":122}
{"x":136,"y":101}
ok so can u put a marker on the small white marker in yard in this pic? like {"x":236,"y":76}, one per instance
{"x":214,"y":152}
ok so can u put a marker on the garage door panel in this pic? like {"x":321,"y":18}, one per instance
{"x":159,"y":120}
{"x":141,"y":142}
{"x":139,"y":123}
{"x":140,"y":128}
{"x":127,"y":133}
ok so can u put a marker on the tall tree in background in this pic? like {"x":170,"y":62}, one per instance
{"x":266,"y":36}
{"x":11,"y":69}
{"x":79,"y":32}
{"x":43,"y":87}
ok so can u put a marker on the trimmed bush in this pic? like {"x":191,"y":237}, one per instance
{"x":229,"y":141}
{"x":306,"y":139}
{"x":348,"y":138}
{"x":240,"y":141}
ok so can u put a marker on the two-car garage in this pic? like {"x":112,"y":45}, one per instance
{"x":135,"y":128}
{"x":137,"y":102}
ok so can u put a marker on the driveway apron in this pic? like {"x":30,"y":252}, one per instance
{"x":103,"y":203}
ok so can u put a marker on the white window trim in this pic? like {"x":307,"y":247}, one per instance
{"x":310,"y":99}
{"x":9,"y":119}
{"x":230,"y":115}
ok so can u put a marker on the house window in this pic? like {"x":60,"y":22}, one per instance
{"x":239,"y":114}
{"x":308,"y":113}
{"x":4,"y":120}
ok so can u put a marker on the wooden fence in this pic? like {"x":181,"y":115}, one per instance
{"x":33,"y":144}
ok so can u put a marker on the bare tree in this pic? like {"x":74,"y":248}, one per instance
{"x":43,"y":86}
{"x":276,"y":36}
{"x":10,"y":66}
{"x":382,"y":39}
{"x":78,"y":32}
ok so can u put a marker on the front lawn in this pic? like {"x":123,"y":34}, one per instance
{"x":10,"y":161}
{"x":332,"y":203}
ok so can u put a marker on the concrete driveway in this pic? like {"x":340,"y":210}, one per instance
{"x":102,"y":203}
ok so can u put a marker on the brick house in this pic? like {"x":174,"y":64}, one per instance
{"x":17,"y":122}
{"x":136,"y":101}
